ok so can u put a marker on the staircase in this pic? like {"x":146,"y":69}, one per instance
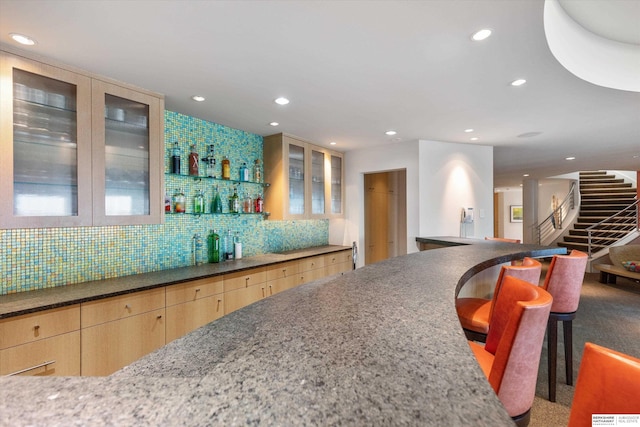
{"x":601,"y":196}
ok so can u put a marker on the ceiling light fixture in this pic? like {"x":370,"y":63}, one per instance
{"x":475,"y":138}
{"x":332,"y":143}
{"x":481,"y":35}
{"x":570,"y":158}
{"x":197,"y":98}
{"x":281,"y":101}
{"x":274,"y":123}
{"x":468,"y":130}
{"x":518,"y":82}
{"x":525,"y":175}
{"x":22,"y":39}
{"x":390,"y":132}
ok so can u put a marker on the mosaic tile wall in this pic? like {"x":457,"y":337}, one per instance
{"x":42,"y":258}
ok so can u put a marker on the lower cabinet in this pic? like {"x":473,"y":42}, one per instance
{"x":118,"y":330}
{"x":193,"y":304}
{"x":42,"y":343}
{"x":99,"y":337}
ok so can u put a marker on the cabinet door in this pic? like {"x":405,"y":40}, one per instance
{"x":113,"y":345}
{"x":57,"y":356}
{"x":186,"y":317}
{"x":127,"y":157}
{"x":336,"y":187}
{"x":45,"y":134}
{"x":296,"y":178}
{"x":238,"y":298}
{"x":318,"y":182}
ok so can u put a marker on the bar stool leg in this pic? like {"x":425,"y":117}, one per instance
{"x":552,"y":354}
{"x":567,"y":327}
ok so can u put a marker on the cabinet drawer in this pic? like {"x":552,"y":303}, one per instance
{"x":108,"y":309}
{"x":113,"y":345}
{"x":337,"y":258}
{"x":281,"y":270}
{"x":38,"y":326}
{"x":59,"y":355}
{"x":311,"y":275}
{"x":193,"y":290}
{"x":313,"y":263}
{"x":184,"y":318}
{"x":244,"y":279}
{"x":282,"y":284}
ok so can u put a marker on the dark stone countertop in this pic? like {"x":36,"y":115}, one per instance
{"x":380,"y":345}
{"x":43,"y":299}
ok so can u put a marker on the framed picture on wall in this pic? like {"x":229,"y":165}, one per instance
{"x":516,"y":213}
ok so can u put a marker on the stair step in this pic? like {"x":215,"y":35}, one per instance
{"x":580,"y":246}
{"x":610,"y":205}
{"x":605,"y":241}
{"x":603,"y":232}
{"x":582,"y":225}
{"x":624,"y":190}
{"x":608,"y":196}
{"x":605,"y":213}
{"x":611,"y":183}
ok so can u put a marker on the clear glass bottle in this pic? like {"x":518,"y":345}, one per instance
{"x":198,"y":202}
{"x":258,"y":204}
{"x":216,"y":204}
{"x":229,"y":246}
{"x":247,"y":206}
{"x":244,"y":172}
{"x":197,"y":249}
{"x":211,"y":162}
{"x":226,"y":168}
{"x":178,"y":202}
{"x":194,"y":162}
{"x":237,"y":247}
{"x":175,"y":158}
{"x":257,"y":171}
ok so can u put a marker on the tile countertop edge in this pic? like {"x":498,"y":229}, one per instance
{"x":21,"y":303}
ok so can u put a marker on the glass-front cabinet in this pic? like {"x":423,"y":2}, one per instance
{"x":63,"y":163}
{"x":302,"y":179}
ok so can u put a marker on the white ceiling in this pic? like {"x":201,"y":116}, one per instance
{"x":354,"y":69}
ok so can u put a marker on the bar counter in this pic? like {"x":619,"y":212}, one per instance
{"x":380,"y":345}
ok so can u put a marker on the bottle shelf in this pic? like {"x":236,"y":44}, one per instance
{"x":214,"y":213}
{"x":208,"y":178}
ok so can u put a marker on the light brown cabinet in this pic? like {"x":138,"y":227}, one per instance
{"x":281,"y":277}
{"x":77,"y":150}
{"x":42,"y":343}
{"x":193,"y":304}
{"x":118,"y":330}
{"x":244,"y":288}
{"x":306,"y":180}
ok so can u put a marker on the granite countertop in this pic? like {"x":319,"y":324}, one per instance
{"x":29,"y":302}
{"x":380,"y":345}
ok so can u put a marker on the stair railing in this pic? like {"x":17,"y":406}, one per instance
{"x":554,"y":221}
{"x":622,"y":223}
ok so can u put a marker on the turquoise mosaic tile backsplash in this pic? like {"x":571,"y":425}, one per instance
{"x":47,"y":257}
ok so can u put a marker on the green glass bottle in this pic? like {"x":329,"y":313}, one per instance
{"x":216,"y":204}
{"x":213,"y":246}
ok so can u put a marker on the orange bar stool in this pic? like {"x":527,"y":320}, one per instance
{"x":475,"y":313}
{"x":511,"y":356}
{"x":608,"y":383}
{"x":564,"y":282}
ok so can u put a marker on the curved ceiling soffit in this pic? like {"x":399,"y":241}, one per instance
{"x":593,"y":58}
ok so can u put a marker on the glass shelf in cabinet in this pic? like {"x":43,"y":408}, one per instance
{"x":209,"y":178}
{"x":219,"y":213}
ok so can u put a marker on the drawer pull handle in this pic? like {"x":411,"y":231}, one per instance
{"x":246,"y":281}
{"x":36,"y":327}
{"x":159,"y":316}
{"x":197,"y":289}
{"x":127,"y":306}
{"x":22,"y":371}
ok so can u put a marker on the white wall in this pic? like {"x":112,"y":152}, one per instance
{"x":441,"y":179}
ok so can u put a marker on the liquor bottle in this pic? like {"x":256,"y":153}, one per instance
{"x":257,"y":171}
{"x":234,"y":201}
{"x":175,"y":158}
{"x":211,"y":162}
{"x":247,"y":204}
{"x":194,"y":162}
{"x":258,"y":204}
{"x":226,"y":168}
{"x":178,"y":202}
{"x":216,"y":204}
{"x":197,"y":249}
{"x":244,"y":172}
{"x":228,"y":255}
{"x":213,"y":246}
{"x":198,"y":202}
{"x":237,"y":247}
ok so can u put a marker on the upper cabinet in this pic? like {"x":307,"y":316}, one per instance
{"x":76,"y":150}
{"x":306,"y":180}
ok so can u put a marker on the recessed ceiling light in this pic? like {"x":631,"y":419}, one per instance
{"x":475,"y":138}
{"x":468,"y":130}
{"x":333,"y":143}
{"x":390,"y":132}
{"x":518,"y":82}
{"x":197,"y":98}
{"x":281,"y":101}
{"x":481,"y":35}
{"x":570,"y":158}
{"x":22,"y":39}
{"x":526,"y":174}
{"x":274,"y":123}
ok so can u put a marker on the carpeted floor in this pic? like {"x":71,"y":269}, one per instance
{"x":608,"y":315}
